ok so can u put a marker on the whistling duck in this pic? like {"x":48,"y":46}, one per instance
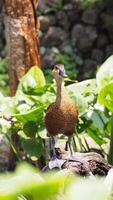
{"x":62,"y":115}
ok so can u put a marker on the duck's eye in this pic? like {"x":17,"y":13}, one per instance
{"x":56,"y":68}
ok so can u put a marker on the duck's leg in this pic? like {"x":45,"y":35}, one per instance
{"x":69,"y":145}
{"x":55,"y":162}
{"x":73,"y":157}
{"x":53,"y":142}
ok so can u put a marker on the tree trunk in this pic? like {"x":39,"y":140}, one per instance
{"x":21,"y":27}
{"x":22,"y":40}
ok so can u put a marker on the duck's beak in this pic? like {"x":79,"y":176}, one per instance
{"x":62,"y":73}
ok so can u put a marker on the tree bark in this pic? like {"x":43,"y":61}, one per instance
{"x":22,"y":40}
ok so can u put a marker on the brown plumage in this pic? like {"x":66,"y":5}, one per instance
{"x":62,"y":115}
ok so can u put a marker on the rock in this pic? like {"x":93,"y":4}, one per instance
{"x":90,"y":64}
{"x":42,"y":6}
{"x":109,"y":50}
{"x":1,"y":5}
{"x":78,"y":31}
{"x":84,"y":44}
{"x":4,"y":153}
{"x":85,"y":36}
{"x":46,"y":21}
{"x":73,"y":17}
{"x":62,"y":19}
{"x":48,"y":60}
{"x":107,"y":19}
{"x":102,"y":40}
{"x":90,"y":16}
{"x":91,"y":32}
{"x":54,"y":36}
{"x":97,"y":55}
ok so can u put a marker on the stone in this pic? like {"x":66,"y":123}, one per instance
{"x":42,"y":6}
{"x":77,"y":31}
{"x":90,"y":64}
{"x":84,"y":44}
{"x":107,"y":19}
{"x":54,"y":36}
{"x":80,"y":31}
{"x":46,"y":21}
{"x":97,"y":55}
{"x":62,"y":19}
{"x":85,"y":36}
{"x":109,"y":50}
{"x":4,"y":153}
{"x":48,"y":60}
{"x":102,"y":40}
{"x":90,"y":16}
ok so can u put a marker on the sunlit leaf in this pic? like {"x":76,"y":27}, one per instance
{"x":33,"y":115}
{"x":84,"y":93}
{"x":105,"y":73}
{"x":33,"y":78}
{"x":87,"y":190}
{"x":105,"y":96}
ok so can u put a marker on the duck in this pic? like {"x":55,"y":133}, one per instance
{"x":62,"y":115}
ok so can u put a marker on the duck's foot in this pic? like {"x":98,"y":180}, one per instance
{"x":56,"y":163}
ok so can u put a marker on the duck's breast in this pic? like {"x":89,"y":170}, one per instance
{"x":61,"y":118}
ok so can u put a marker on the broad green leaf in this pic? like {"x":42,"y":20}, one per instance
{"x":97,"y":118}
{"x":37,"y":91}
{"x":87,"y":189}
{"x":27,"y":182}
{"x":34,"y":78}
{"x":84,"y":93}
{"x":30,"y":129}
{"x":95,"y":134}
{"x":105,"y":73}
{"x":33,"y":115}
{"x":7,"y":106}
{"x":105,"y":96}
{"x":33,"y":147}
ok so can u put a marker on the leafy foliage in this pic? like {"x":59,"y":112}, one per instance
{"x":25,"y":112}
{"x":27,"y":184}
{"x":4,"y":76}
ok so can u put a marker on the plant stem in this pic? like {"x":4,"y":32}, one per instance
{"x":110,"y":156}
{"x":14,"y":148}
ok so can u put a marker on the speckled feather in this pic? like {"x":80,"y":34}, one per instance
{"x":61,"y":117}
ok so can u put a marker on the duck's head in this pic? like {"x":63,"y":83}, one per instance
{"x":59,"y":72}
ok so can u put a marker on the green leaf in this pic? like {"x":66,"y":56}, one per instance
{"x":95,"y":117}
{"x":95,"y":134}
{"x":27,"y":182}
{"x":30,"y":128}
{"x":34,"y":78}
{"x":33,"y":115}
{"x":88,"y":190}
{"x":33,"y":147}
{"x":105,"y":73}
{"x":37,"y":91}
{"x":83,"y":93}
{"x":105,"y":96}
{"x":7,"y":106}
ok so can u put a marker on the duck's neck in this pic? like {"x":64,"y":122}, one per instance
{"x":61,"y":93}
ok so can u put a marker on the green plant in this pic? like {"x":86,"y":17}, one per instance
{"x":4,"y":77}
{"x":24,"y":113}
{"x":28,"y":184}
{"x":105,"y":95}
